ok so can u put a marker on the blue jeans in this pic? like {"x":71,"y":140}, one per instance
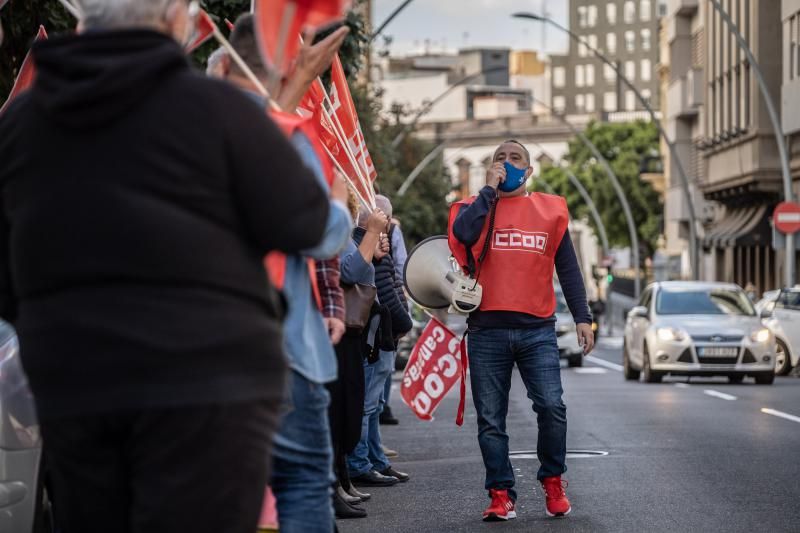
{"x":387,"y":388}
{"x":492,"y":354}
{"x":368,"y":454}
{"x":302,"y":470}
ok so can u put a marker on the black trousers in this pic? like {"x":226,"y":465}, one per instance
{"x":199,"y":469}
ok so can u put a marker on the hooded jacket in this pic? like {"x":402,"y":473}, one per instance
{"x":138,"y":199}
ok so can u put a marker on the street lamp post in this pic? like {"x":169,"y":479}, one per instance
{"x":776,"y":126}
{"x":623,"y":200}
{"x":694,"y":249}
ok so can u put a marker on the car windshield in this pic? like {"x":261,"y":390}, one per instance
{"x":703,"y":302}
{"x":561,"y":303}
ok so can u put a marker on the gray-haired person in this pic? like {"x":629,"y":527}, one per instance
{"x":138,"y":200}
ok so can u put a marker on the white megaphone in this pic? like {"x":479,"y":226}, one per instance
{"x":434,"y":280}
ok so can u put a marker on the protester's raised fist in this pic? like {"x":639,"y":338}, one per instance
{"x":339,"y":189}
{"x":495,"y":175}
{"x":382,"y":247}
{"x":377,"y":222}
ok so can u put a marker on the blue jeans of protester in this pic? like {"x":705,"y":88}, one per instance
{"x":302,"y":471}
{"x":368,"y":454}
{"x":492,"y":354}
{"x":387,"y":388}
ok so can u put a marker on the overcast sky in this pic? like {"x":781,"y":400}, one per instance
{"x":454,"y":24}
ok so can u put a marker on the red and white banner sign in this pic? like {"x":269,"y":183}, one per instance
{"x":432,"y":370}
{"x":26,"y":75}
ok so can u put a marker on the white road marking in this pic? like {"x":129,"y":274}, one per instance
{"x":603,"y":362}
{"x":611,"y":342}
{"x":590,"y":370}
{"x":720,"y":395}
{"x":781,"y":414}
{"x":682,"y":385}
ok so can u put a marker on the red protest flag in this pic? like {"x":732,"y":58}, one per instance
{"x":202,"y":32}
{"x":433,"y":368}
{"x":344,"y":108}
{"x":280,"y":22}
{"x":26,"y":74}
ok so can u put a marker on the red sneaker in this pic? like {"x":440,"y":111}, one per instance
{"x":556,"y":502}
{"x":501,"y":508}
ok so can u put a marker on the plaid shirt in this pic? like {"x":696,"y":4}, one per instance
{"x":330,"y":292}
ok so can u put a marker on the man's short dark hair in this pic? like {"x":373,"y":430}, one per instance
{"x":243,"y":39}
{"x":514,"y":141}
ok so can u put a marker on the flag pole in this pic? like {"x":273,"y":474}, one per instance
{"x":341,"y":128}
{"x":73,"y":10}
{"x":348,"y":181}
{"x":240,"y":62}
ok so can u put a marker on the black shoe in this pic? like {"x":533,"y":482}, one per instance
{"x":358,"y":494}
{"x":374,"y":479}
{"x":387,"y":418}
{"x":344,"y":510}
{"x":391,"y":472}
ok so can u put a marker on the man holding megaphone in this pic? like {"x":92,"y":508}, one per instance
{"x":512,"y":242}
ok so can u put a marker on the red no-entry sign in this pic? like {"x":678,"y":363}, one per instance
{"x":787,"y":217}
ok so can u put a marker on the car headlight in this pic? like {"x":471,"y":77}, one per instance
{"x":761,"y":336}
{"x":670,"y":335}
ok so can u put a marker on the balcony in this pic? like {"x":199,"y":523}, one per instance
{"x":683,"y":8}
{"x":685,"y":95}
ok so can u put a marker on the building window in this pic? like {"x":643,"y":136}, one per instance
{"x":645,"y":10}
{"x":580,"y":76}
{"x":646,"y":71}
{"x":647,"y":95}
{"x":646,"y":39}
{"x":559,"y":104}
{"x":592,"y":40}
{"x":590,"y":75}
{"x":630,"y":70}
{"x":582,"y":16}
{"x":611,"y":13}
{"x":630,"y":101}
{"x":589,"y":103}
{"x":591,"y":16}
{"x":609,"y":74}
{"x":630,"y":41}
{"x":611,"y":43}
{"x":583,"y":51}
{"x":609,"y":101}
{"x":580,"y":104}
{"x":628,"y":12}
{"x":559,"y":77}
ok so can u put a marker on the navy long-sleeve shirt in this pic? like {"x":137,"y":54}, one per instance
{"x":467,"y":229}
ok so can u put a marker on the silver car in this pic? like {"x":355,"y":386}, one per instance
{"x":24,"y":505}
{"x":697,"y":328}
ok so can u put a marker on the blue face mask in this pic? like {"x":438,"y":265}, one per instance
{"x":515,"y":177}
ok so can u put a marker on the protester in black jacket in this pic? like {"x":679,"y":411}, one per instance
{"x":138,"y":200}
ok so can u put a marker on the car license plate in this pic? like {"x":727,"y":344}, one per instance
{"x":718,"y":351}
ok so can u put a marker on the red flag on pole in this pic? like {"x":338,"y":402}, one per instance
{"x":344,"y":108}
{"x":229,"y":24}
{"x":202,"y":33}
{"x":26,"y":74}
{"x":279,"y":22}
{"x":433,"y":368}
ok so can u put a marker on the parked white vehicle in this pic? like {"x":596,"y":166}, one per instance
{"x":784,"y":322}
{"x":697,"y":328}
{"x":568,"y":346}
{"x":767,"y":302}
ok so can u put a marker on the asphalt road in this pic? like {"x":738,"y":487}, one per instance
{"x":700,"y":456}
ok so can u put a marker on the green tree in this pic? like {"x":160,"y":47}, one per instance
{"x":624,"y":145}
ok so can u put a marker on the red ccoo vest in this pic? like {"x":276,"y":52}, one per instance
{"x":517,"y":272}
